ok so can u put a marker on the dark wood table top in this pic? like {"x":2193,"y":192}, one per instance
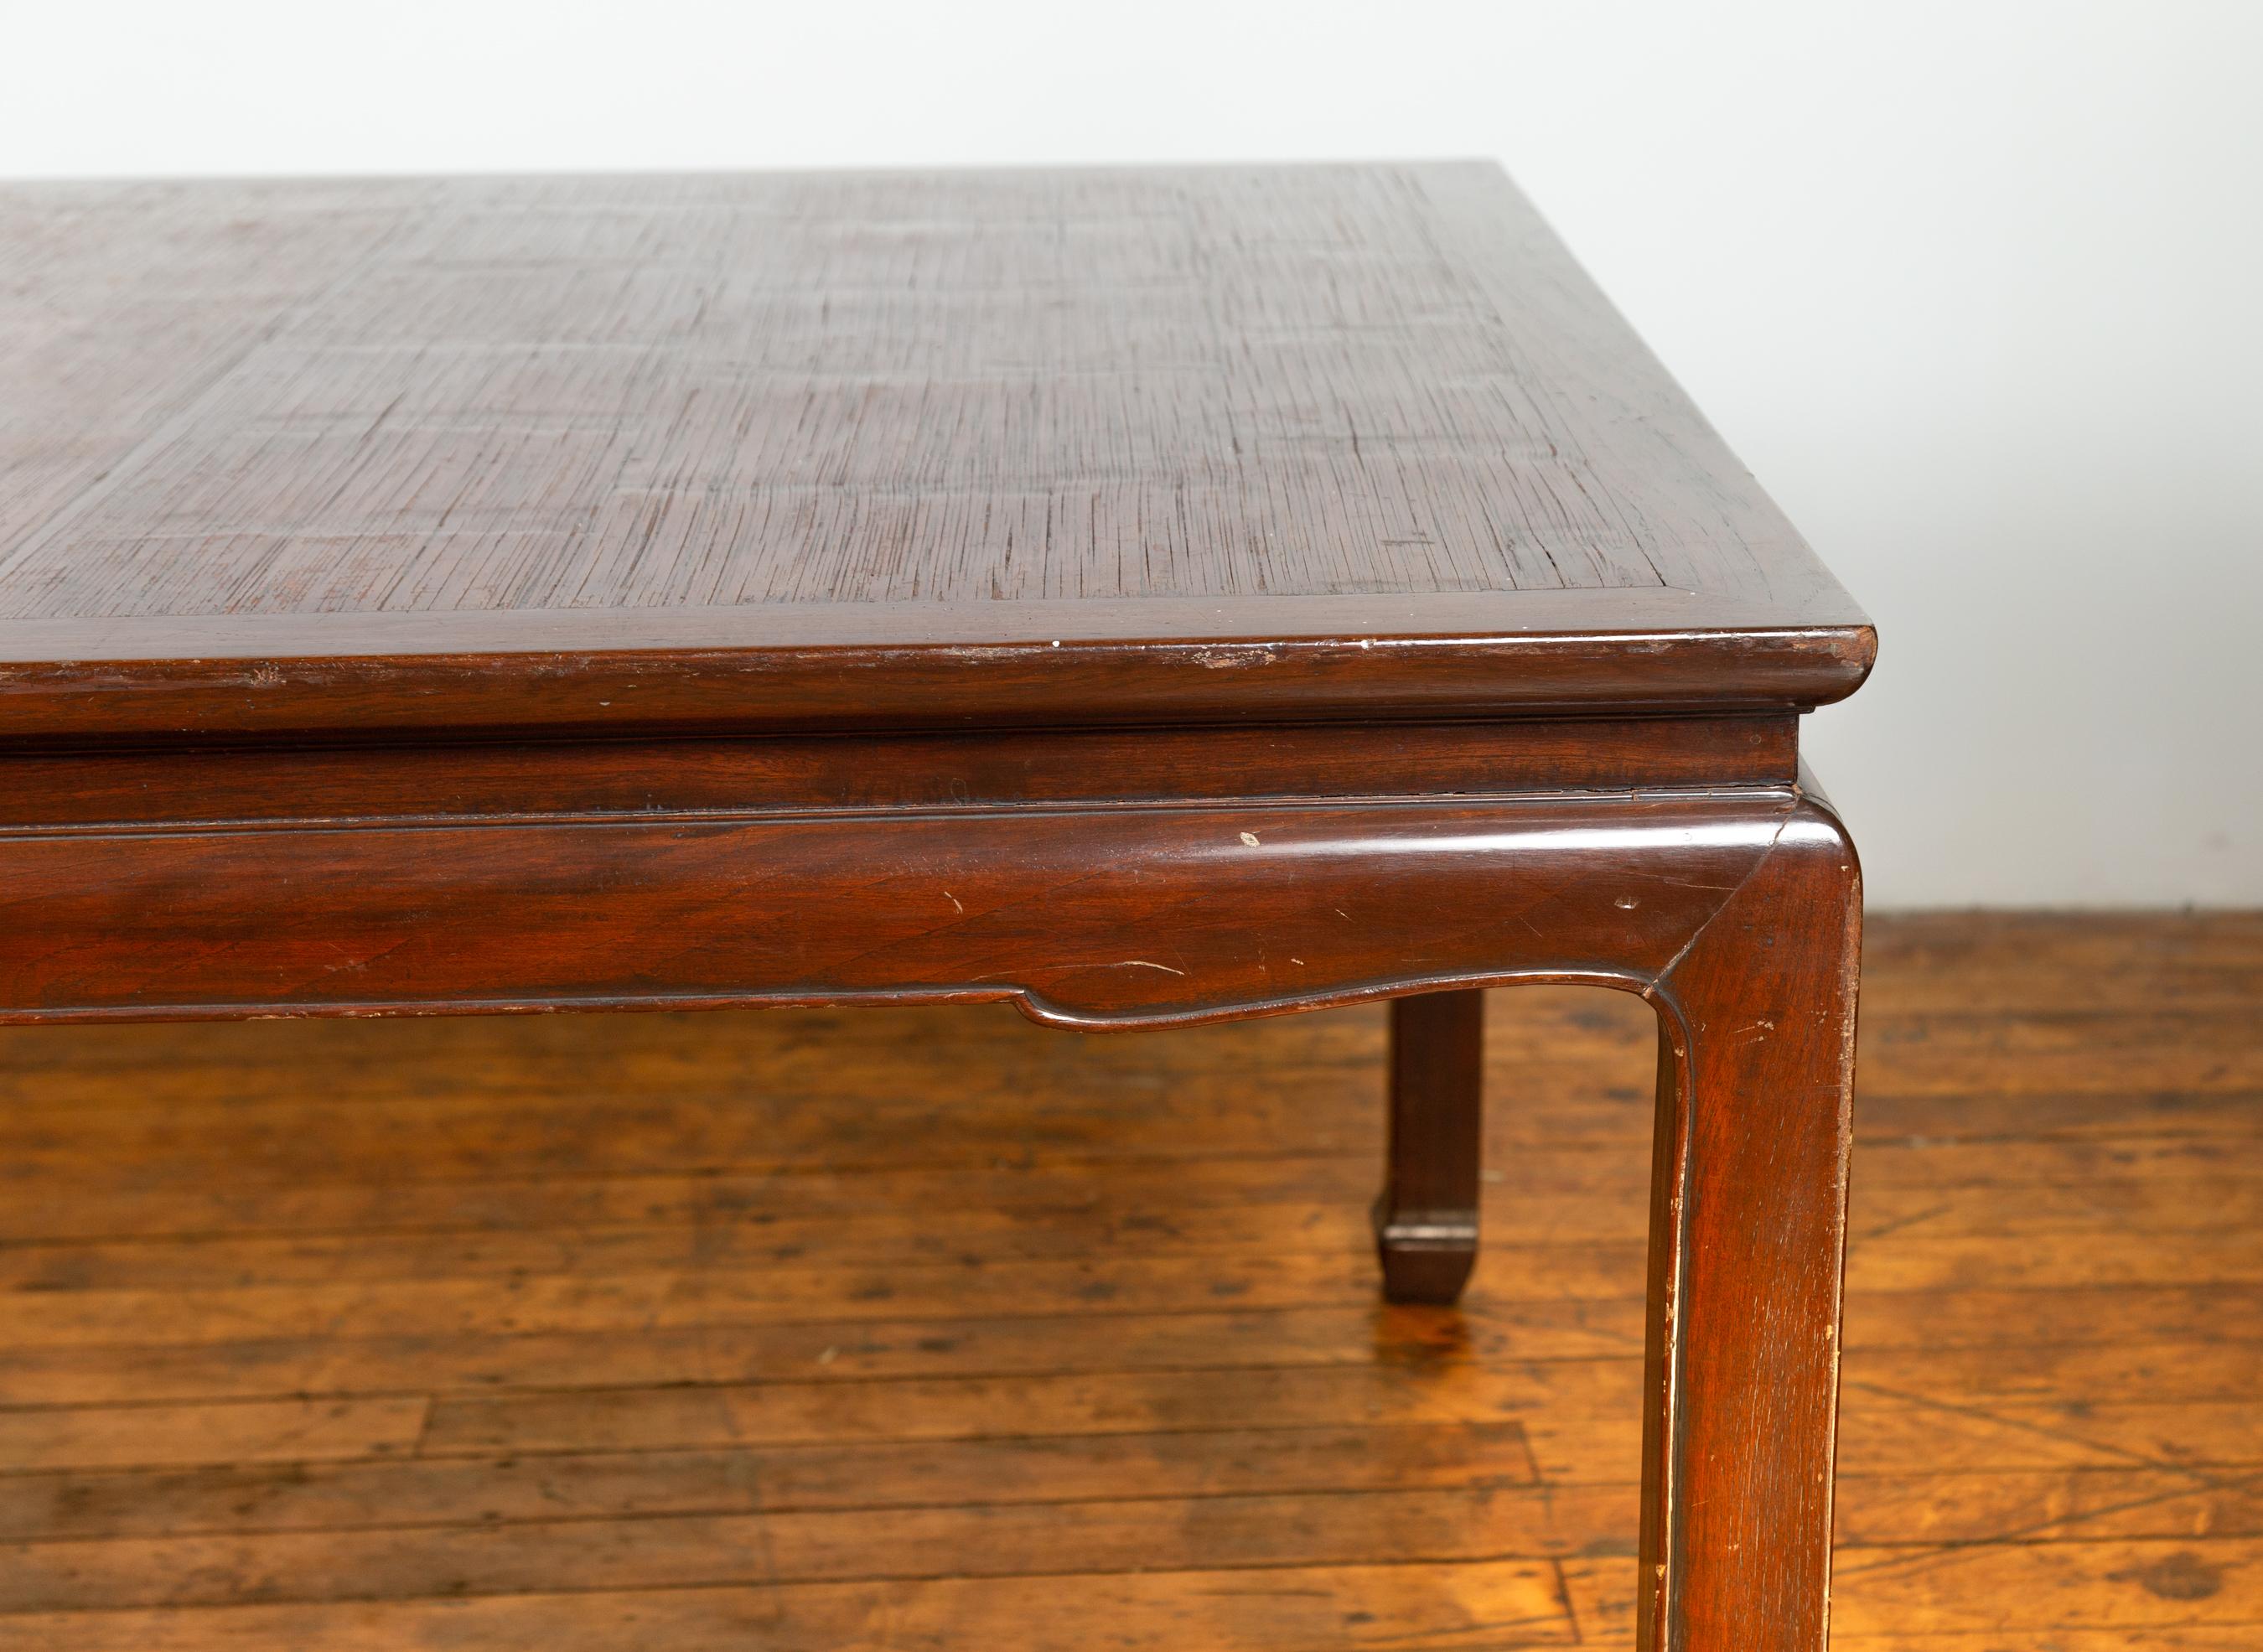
{"x":810,"y":450}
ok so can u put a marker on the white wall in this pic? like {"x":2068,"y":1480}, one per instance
{"x":1973,"y":287}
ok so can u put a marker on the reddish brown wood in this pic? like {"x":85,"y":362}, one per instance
{"x":1426,"y":1221}
{"x":1737,"y":912}
{"x":695,"y":777}
{"x":1118,"y":916}
{"x":86,"y":683}
{"x":1146,"y":597}
{"x":607,"y":455}
{"x":1747,"y":1243}
{"x":646,"y":1313}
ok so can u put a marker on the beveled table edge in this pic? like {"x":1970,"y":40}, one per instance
{"x":1502,"y":616}
{"x":778,"y":669}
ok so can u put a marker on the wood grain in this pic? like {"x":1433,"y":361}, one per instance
{"x":1098,"y":917}
{"x":363,"y":1334}
{"x":1246,"y":591}
{"x":626,"y":392}
{"x":1426,"y":1217}
{"x":627,"y":451}
{"x":688,"y":780}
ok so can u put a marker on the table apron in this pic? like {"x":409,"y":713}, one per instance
{"x":1091,"y":916}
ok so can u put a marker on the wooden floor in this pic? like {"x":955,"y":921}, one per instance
{"x":822,"y":1332}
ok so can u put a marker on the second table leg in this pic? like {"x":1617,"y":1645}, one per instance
{"x":1426,"y":1221}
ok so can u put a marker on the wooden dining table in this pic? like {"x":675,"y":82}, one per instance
{"x":1146,"y":596}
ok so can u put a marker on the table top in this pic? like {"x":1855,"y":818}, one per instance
{"x":801,"y":451}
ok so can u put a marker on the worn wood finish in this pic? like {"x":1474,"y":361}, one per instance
{"x":688,"y":779}
{"x":1748,"y":1228}
{"x":1150,"y":597}
{"x":1114,"y":917}
{"x":1426,"y":1220}
{"x":607,"y":455}
{"x":592,"y":1330}
{"x":1736,"y":912}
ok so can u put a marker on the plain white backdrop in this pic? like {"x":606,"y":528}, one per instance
{"x":1974,"y":287}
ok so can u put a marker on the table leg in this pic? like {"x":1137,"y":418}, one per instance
{"x":1747,"y":1231}
{"x":1426,"y":1220}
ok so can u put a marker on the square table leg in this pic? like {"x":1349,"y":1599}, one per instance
{"x":1747,"y":1238}
{"x":1426,"y":1219}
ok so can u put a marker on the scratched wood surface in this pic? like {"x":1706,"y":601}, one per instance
{"x":625,"y":451}
{"x":934,"y":1329}
{"x":603,"y":393}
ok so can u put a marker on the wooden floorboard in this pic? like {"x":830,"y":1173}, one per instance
{"x":934,"y":1329}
